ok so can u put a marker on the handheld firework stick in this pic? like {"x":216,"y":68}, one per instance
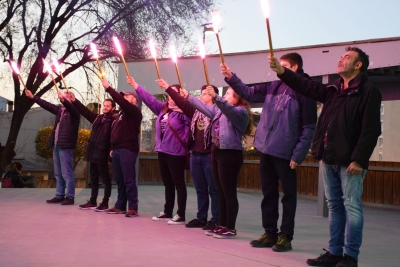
{"x":118,"y":46}
{"x":16,"y":70}
{"x":203,"y":58}
{"x":265,"y":7}
{"x":216,"y":21}
{"x":48,"y":69}
{"x":96,"y":56}
{"x":174,"y":59}
{"x":154,"y":55}
{"x":58,"y":69}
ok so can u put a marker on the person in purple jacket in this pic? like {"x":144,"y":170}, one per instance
{"x":283,"y":137}
{"x":230,"y":120}
{"x":200,"y":160}
{"x":172,"y":128}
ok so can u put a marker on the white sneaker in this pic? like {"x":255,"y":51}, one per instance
{"x":177,"y":220}
{"x":161,"y":217}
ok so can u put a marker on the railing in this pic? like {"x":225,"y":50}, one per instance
{"x":381,"y":184}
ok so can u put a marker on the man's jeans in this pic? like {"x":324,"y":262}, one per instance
{"x":123,"y":162}
{"x":343,"y":191}
{"x":64,"y":172}
{"x":200,"y":166}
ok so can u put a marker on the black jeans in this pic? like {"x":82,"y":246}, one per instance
{"x":226,"y":164}
{"x":272,"y":170}
{"x":172,"y":170}
{"x":97,"y":170}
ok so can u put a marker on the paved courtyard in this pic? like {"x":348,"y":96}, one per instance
{"x":33,"y":233}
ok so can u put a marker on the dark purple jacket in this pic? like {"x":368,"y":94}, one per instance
{"x":99,"y":142}
{"x":69,"y":126}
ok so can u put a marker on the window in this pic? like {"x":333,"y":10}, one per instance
{"x":380,"y":156}
{"x":382,"y":109}
{"x":380,"y":142}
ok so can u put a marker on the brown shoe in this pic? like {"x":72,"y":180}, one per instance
{"x":68,"y":201}
{"x":55,"y":200}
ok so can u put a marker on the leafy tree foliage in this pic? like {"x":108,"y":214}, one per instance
{"x":43,"y":150}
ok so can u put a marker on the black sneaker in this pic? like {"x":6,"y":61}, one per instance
{"x":195,"y":224}
{"x":88,"y":206}
{"x":347,"y":261}
{"x":162,"y":217}
{"x":55,"y":200}
{"x":68,"y":201}
{"x":265,"y":241}
{"x":326,"y":259}
{"x":176,"y":220}
{"x":284,"y":244}
{"x":102,"y":207}
{"x":209,"y":226}
{"x":131,"y":213}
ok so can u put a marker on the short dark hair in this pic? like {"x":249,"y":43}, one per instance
{"x":215,"y":88}
{"x":293,"y":58}
{"x":362,"y":56}
{"x":110,"y":100}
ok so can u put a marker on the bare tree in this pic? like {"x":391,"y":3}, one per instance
{"x":34,"y":29}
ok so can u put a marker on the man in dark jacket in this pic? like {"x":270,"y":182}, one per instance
{"x":124,"y":150}
{"x":346,"y":135}
{"x":63,"y":139}
{"x":283,"y":137}
{"x":98,"y":150}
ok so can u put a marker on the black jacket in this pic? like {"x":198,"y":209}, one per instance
{"x":350,"y":119}
{"x":99,"y":141}
{"x":126,"y":127}
{"x":69,"y":126}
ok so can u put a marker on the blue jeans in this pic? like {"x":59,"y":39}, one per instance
{"x":343,"y":191}
{"x":64,"y":172}
{"x":200,"y":166}
{"x":123,"y":162}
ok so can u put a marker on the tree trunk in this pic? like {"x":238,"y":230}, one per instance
{"x":7,"y":152}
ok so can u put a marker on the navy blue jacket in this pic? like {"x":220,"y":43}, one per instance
{"x":287,"y":120}
{"x":350,"y":118}
{"x":69,"y":126}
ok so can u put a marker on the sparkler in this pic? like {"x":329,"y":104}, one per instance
{"x":118,"y":46}
{"x":216,"y":20}
{"x":96,"y":56}
{"x":16,"y":70}
{"x":154,"y":55}
{"x":203,"y":57}
{"x":58,"y":69}
{"x":265,"y":7}
{"x":48,"y":69}
{"x":174,"y":59}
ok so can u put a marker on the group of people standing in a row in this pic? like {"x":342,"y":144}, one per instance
{"x":212,"y":127}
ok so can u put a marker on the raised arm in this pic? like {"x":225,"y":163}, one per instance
{"x":254,"y":94}
{"x":187,"y":109}
{"x":44,"y":104}
{"x":151,"y":101}
{"x":130,"y":109}
{"x":238,"y":116}
{"x":309,"y":88}
{"x":208,"y":110}
{"x":84,"y":111}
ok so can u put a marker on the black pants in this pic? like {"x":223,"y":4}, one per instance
{"x":272,"y":170}
{"x":97,"y":170}
{"x":226,"y":164}
{"x":172,"y":170}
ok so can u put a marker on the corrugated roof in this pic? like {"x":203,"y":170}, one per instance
{"x":29,"y":166}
